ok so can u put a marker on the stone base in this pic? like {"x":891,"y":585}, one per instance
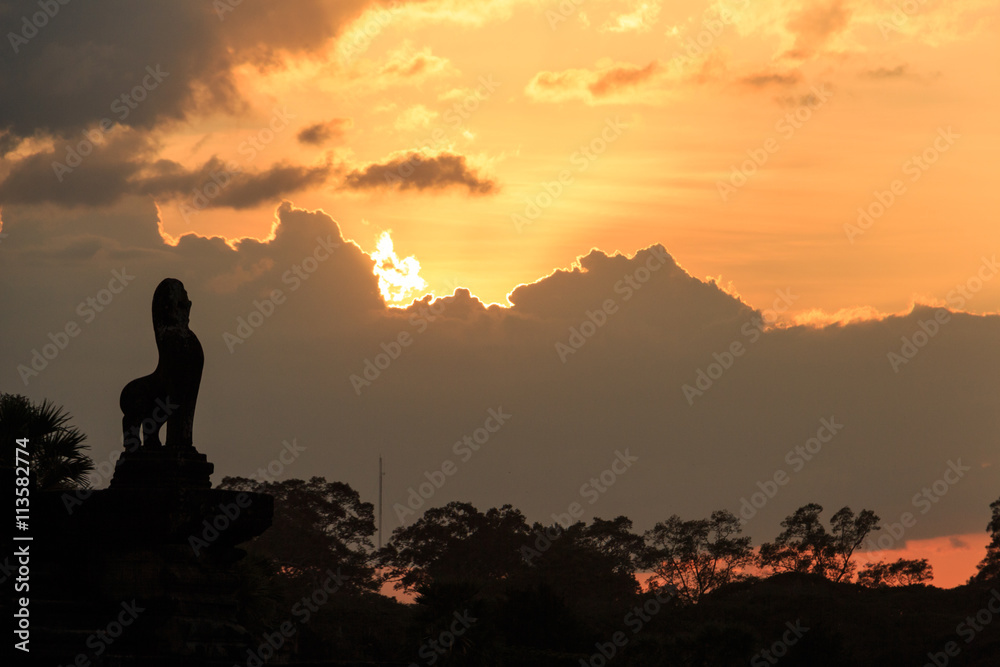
{"x":165,"y":547}
{"x":161,"y":466}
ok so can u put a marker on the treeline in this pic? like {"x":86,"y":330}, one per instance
{"x":492,"y":589}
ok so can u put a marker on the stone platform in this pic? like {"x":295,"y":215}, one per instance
{"x":150,"y":558}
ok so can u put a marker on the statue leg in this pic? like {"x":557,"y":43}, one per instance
{"x":179,"y":428}
{"x":151,"y":430}
{"x":131,"y":405}
{"x":138,"y":403}
{"x":130,"y":433}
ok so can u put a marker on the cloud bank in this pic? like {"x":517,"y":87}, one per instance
{"x":613,"y":354}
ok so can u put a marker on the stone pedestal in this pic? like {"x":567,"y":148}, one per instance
{"x":162,"y":467}
{"x":151,"y":558}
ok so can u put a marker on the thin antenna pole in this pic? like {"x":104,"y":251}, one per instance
{"x":380,"y":475}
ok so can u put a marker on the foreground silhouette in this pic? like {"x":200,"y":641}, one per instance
{"x":58,"y":452}
{"x":144,"y":572}
{"x":167,"y":395}
{"x":491,"y":589}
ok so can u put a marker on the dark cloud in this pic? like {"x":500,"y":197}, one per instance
{"x":419,"y":171}
{"x":764,"y":79}
{"x":621,"y":76}
{"x":321,"y":133}
{"x":110,"y":73}
{"x":8,"y":142}
{"x":590,"y":85}
{"x":640,"y":329}
{"x":48,"y":228}
{"x":237,"y":190}
{"x":95,"y":60}
{"x":252,"y":189}
{"x":124,"y":164}
{"x":887,"y":73}
{"x":84,"y":172}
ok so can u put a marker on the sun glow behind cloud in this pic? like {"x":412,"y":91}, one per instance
{"x":397,"y":278}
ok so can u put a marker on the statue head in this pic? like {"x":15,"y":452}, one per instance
{"x":171,"y":306}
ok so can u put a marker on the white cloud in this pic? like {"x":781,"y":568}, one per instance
{"x":415,"y":117}
{"x":642,"y":18}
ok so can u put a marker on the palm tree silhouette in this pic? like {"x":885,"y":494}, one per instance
{"x":58,"y":460}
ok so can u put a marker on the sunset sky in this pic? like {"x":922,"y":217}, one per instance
{"x":827,"y":168}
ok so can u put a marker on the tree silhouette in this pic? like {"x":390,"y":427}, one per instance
{"x":989,"y":567}
{"x":614,"y":538}
{"x":456,"y":543}
{"x":848,"y":532}
{"x":696,"y":557}
{"x":56,"y":449}
{"x":806,"y":546}
{"x":588,"y":568}
{"x":802,"y":547}
{"x":318,"y":526}
{"x":902,"y":572}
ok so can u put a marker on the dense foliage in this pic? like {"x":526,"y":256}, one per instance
{"x":488,"y":588}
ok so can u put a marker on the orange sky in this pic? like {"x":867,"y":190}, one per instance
{"x":953,"y":559}
{"x":744,"y":136}
{"x":687,"y":122}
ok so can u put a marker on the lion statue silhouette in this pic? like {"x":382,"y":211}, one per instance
{"x":168,"y":395}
